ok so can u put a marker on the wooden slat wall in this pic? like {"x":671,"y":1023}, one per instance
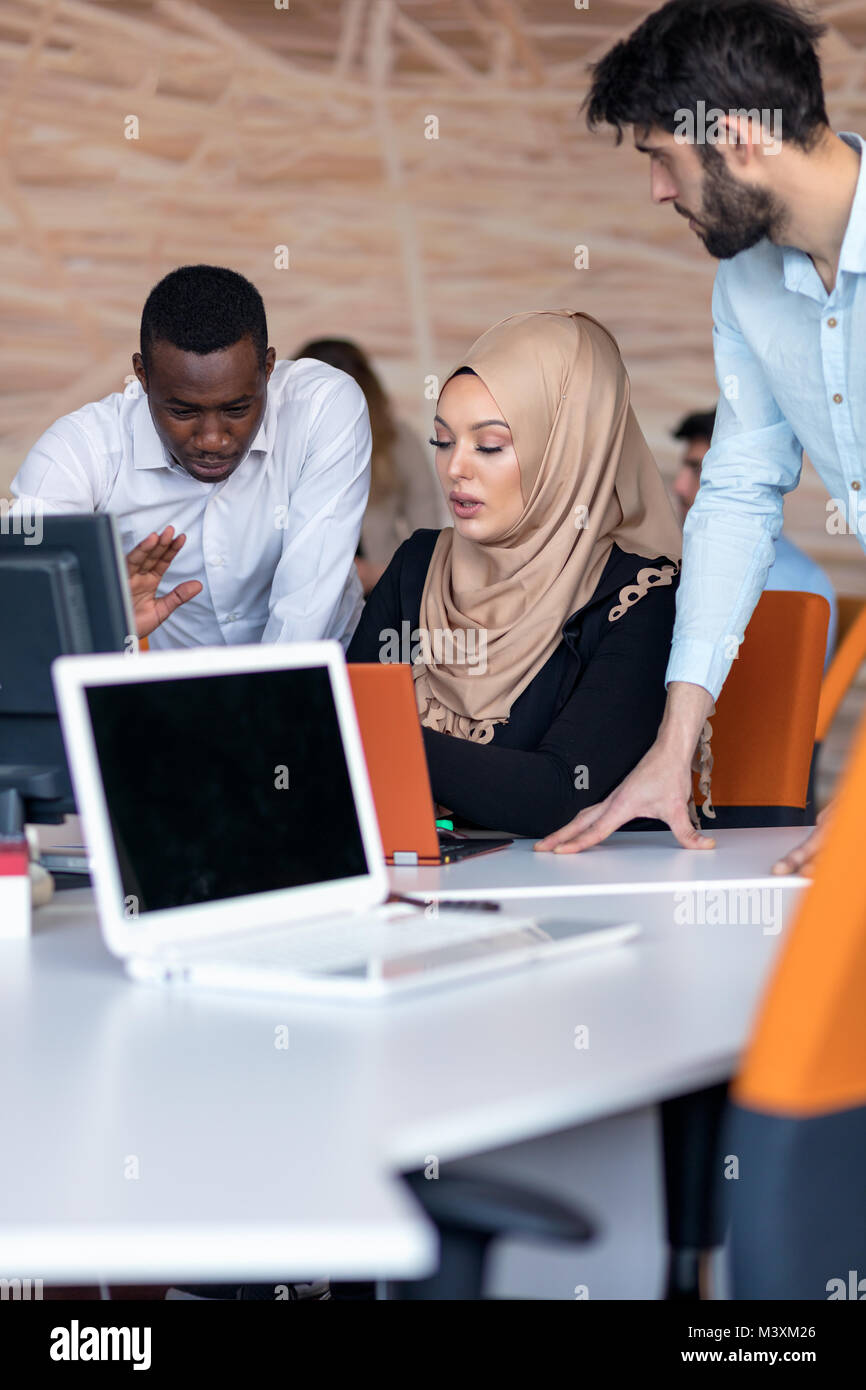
{"x":305,"y":127}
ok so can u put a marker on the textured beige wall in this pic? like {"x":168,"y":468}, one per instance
{"x":307,"y":128}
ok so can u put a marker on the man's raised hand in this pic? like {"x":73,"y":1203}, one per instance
{"x":146,"y":565}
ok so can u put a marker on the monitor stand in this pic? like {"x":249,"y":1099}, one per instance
{"x":28,"y":793}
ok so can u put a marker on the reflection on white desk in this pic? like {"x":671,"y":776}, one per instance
{"x":155,"y":1137}
{"x":170,"y":1137}
{"x":629,"y":862}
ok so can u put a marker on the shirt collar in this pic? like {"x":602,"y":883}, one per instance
{"x":853,"y":254}
{"x":799,"y":271}
{"x":148,"y":450}
{"x":263,"y":442}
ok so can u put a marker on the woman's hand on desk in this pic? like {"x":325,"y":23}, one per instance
{"x":146,"y":566}
{"x":802,"y":859}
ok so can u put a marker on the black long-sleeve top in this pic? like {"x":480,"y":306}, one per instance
{"x":578,"y":728}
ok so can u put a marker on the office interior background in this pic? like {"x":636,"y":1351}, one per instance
{"x":404,"y":172}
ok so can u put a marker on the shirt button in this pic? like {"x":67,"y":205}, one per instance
{"x":217,"y":560}
{"x":831,"y":323}
{"x":837,"y":398}
{"x":856,"y":485}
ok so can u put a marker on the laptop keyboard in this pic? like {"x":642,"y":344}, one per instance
{"x":341,"y":941}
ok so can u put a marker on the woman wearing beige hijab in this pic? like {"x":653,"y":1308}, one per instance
{"x":539,"y":624}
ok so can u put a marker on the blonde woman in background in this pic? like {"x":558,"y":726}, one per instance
{"x":404,"y":496}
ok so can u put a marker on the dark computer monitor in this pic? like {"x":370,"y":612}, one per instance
{"x":62,"y":590}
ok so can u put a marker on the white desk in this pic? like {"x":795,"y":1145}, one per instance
{"x":639,"y":862}
{"x":253,"y":1162}
{"x":258,"y":1163}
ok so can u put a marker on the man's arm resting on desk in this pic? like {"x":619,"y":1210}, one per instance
{"x":730,"y":532}
{"x":660,"y":787}
{"x":728,"y":548}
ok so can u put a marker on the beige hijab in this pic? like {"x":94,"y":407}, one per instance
{"x":492,"y":614}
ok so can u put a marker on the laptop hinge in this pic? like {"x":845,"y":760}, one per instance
{"x":405,"y":856}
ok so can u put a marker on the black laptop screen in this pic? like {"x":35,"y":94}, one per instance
{"x":226,"y":785}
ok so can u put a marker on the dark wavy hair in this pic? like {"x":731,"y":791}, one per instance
{"x":731,"y":54}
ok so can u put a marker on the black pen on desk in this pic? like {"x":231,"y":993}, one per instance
{"x":449,"y":904}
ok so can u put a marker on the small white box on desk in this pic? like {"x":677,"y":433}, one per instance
{"x":14,"y":888}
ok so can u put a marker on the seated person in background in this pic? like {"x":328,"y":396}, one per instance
{"x":792,"y":568}
{"x":541,"y":621}
{"x":403,"y":491}
{"x":263,"y":465}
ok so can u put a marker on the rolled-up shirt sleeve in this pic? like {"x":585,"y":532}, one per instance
{"x":315,"y":591}
{"x":730,"y":533}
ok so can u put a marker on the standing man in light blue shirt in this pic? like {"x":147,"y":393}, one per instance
{"x":726,"y":99}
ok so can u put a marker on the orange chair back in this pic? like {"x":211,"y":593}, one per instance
{"x":848,"y":610}
{"x":764,"y":725}
{"x":808,"y":1052}
{"x":849,"y":657}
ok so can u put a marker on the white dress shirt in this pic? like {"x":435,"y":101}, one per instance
{"x":273,"y":544}
{"x":790,"y":367}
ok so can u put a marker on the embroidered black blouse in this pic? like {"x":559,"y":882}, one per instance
{"x":579,"y":727}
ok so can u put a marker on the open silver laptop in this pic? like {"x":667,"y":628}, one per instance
{"x":233,"y":839}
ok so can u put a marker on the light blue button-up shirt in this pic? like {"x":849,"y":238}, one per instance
{"x":791,"y":367}
{"x":793,"y":569}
